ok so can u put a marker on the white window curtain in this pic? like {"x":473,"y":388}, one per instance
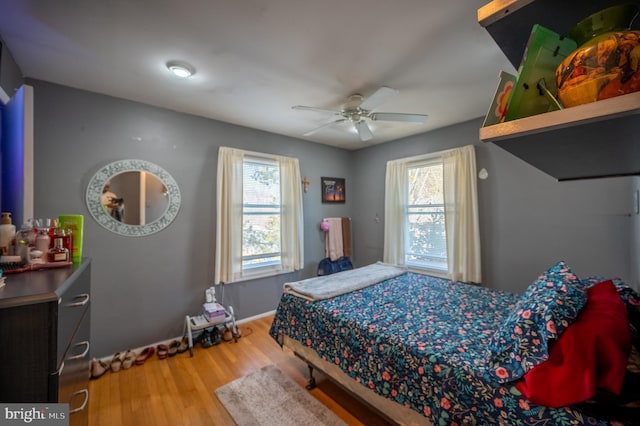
{"x":395,"y":212}
{"x":461,"y":212}
{"x":228,"y":257}
{"x":292,"y":229}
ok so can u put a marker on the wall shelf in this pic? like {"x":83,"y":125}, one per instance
{"x":589,"y":141}
{"x":608,"y":109}
{"x":509,"y":22}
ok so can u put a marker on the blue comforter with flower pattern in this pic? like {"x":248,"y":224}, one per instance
{"x":422,"y":342}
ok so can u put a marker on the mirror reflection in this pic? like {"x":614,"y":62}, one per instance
{"x":133,"y":197}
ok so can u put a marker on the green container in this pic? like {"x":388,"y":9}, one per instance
{"x":74,"y":222}
{"x":544,"y":52}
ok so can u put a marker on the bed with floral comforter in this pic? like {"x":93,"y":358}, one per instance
{"x":434,"y":346}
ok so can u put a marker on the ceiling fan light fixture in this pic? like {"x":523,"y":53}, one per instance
{"x":358,"y":110}
{"x":181,"y":69}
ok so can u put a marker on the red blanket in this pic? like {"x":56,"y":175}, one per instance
{"x":590,"y":355}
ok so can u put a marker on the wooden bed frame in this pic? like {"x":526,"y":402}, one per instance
{"x":390,"y":410}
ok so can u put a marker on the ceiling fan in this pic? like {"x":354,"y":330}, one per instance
{"x":358,"y":109}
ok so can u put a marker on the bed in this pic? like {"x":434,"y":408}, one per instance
{"x":425,"y":350}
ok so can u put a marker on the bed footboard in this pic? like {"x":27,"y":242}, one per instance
{"x":390,"y":410}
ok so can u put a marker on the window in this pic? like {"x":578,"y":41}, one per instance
{"x":259,"y":222}
{"x":426,"y":233}
{"x":260,"y":214}
{"x":431,"y":214}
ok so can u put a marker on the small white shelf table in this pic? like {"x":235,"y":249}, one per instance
{"x":200,"y":322}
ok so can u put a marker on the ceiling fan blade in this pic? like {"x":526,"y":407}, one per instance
{"x":378,"y":97}
{"x":308,"y":108}
{"x":312,"y":131}
{"x":398,"y":116}
{"x":364,"y":131}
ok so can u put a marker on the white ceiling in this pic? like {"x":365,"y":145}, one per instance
{"x":255,"y":59}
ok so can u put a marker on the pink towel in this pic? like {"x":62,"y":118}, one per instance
{"x":333,"y":239}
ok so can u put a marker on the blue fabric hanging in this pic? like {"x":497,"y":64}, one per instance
{"x":327,"y":267}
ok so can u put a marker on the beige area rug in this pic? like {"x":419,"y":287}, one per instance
{"x":269,"y":397}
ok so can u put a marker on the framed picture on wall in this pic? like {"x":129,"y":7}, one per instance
{"x":333,"y":190}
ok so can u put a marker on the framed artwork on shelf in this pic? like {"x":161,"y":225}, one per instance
{"x":498,"y":109}
{"x":333,"y":190}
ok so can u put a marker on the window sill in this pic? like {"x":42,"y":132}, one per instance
{"x":431,"y":272}
{"x":259,"y":275}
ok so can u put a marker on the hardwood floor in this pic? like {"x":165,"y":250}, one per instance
{"x":181,"y":390}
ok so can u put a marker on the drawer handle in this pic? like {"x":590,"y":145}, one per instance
{"x":84,"y":402}
{"x":84,"y":301}
{"x":59,"y":371}
{"x":84,"y":353}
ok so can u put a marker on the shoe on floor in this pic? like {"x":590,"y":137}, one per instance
{"x":184,"y":345}
{"x":145,"y":355}
{"x":227,"y":334}
{"x":128,"y":359}
{"x":98,"y":368}
{"x":216,"y":337}
{"x":173,"y":347}
{"x":163,"y":351}
{"x":205,"y":339}
{"x":116,"y":362}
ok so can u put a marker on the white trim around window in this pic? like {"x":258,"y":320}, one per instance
{"x":228,"y":265}
{"x":461,"y":212}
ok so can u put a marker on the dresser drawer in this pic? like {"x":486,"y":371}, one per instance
{"x":44,"y":337}
{"x":72,"y":305}
{"x":73,"y":379}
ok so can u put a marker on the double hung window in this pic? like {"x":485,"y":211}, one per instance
{"x":426,"y":245}
{"x":431,"y":214}
{"x":261,"y":209}
{"x":259,"y":221}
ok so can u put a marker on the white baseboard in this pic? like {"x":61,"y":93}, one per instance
{"x":255,"y":317}
{"x":166,"y":342}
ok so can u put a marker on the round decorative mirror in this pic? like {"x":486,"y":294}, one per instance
{"x":133,"y":197}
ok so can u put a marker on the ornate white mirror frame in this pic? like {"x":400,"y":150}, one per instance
{"x":106,"y":173}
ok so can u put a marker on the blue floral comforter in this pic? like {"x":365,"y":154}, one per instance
{"x":422,"y":342}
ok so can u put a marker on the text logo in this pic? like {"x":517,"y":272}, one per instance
{"x":36,"y":414}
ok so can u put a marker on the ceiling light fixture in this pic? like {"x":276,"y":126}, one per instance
{"x":181,"y":69}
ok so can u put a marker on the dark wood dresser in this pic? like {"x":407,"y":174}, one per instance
{"x":45,"y":338}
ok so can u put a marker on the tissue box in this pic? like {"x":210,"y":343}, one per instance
{"x":214,"y":312}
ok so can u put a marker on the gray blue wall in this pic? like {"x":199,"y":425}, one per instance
{"x":143,"y":287}
{"x":528,"y":220}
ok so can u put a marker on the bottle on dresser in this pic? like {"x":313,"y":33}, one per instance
{"x":58,"y":253}
{"x":67,"y":238}
{"x":25,"y":241}
{"x":43,"y":240}
{"x":7,"y":233}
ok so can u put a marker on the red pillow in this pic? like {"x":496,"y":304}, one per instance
{"x":590,"y":355}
